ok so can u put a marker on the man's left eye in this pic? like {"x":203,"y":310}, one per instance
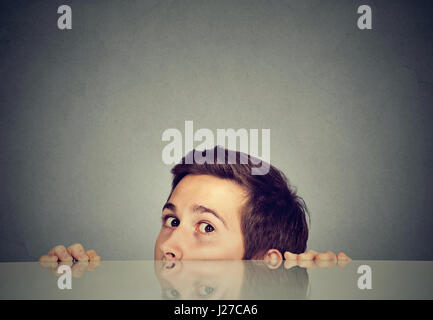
{"x":205,"y":227}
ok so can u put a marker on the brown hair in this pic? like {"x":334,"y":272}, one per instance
{"x":274,"y":216}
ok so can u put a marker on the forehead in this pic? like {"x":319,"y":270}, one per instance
{"x":222,"y":195}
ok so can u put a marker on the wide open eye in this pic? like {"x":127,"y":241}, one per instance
{"x":172,"y":222}
{"x":205,"y":227}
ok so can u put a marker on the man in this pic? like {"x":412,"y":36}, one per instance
{"x":219,"y":210}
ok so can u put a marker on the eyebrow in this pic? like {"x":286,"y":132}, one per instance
{"x":170,"y":206}
{"x":197,"y":209}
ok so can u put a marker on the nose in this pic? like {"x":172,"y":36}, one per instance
{"x":169,"y":256}
{"x":171,"y":247}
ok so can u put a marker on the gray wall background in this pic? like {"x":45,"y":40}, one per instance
{"x":83,"y":111}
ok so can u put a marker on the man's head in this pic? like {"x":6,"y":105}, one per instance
{"x":221,"y":211}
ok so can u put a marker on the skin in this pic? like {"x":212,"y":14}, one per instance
{"x":191,"y":234}
{"x":202,"y":221}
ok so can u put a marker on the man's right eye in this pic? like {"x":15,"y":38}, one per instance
{"x":171,"y":222}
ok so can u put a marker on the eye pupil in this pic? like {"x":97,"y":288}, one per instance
{"x":171,"y":222}
{"x":209,"y":228}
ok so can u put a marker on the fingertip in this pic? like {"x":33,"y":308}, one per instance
{"x":93,"y":256}
{"x":48,"y":258}
{"x":343,"y":256}
{"x":290,"y":256}
{"x":77,"y":252}
{"x":329,"y":255}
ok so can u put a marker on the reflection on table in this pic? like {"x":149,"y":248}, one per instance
{"x":228,"y":280}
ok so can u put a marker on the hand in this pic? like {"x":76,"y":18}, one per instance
{"x":312,"y":259}
{"x":73,"y":252}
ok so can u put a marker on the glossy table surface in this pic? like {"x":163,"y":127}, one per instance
{"x":246,"y":280}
